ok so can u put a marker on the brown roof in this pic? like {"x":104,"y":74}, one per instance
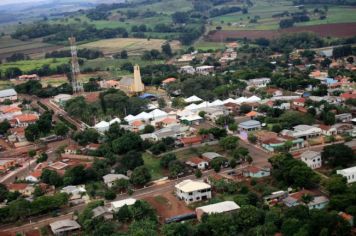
{"x":191,"y":140}
{"x":9,"y":109}
{"x":253,"y":169}
{"x":169,"y":80}
{"x":196,"y":160}
{"x":17,"y":186}
{"x":26,"y":118}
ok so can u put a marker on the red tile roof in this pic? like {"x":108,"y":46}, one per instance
{"x":169,"y":80}
{"x":17,"y":186}
{"x":9,"y":109}
{"x":191,"y":140}
{"x":196,"y":160}
{"x":137,"y":123}
{"x":26,"y":118}
{"x":299,"y":100}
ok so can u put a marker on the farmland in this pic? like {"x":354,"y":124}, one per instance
{"x":29,"y":65}
{"x":133,"y":46}
{"x":325,"y":30}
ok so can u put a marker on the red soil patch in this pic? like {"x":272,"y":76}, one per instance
{"x":326,"y":30}
{"x":168,"y":205}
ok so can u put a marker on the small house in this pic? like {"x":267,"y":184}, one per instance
{"x":256,"y":172}
{"x":192,"y":191}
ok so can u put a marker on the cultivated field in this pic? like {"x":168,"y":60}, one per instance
{"x":325,"y":30}
{"x":29,"y":65}
{"x":133,"y":46}
{"x":33,"y":48}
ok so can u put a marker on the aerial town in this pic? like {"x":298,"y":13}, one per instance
{"x":178,"y":118}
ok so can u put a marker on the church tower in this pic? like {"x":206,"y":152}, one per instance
{"x":137,"y":86}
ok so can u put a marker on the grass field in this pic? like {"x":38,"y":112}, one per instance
{"x":265,"y":9}
{"x":28,"y":65}
{"x":202,"y":45}
{"x":152,"y":163}
{"x":133,"y":46}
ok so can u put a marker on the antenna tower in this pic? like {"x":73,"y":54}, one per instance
{"x":77,"y":87}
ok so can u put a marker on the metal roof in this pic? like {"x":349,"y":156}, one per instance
{"x":8,"y":93}
{"x":191,"y":186}
{"x":220,"y":207}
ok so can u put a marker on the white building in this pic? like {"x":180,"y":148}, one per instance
{"x":110,"y":179}
{"x":217,"y":208}
{"x":62,"y":98}
{"x":259,"y":82}
{"x":192,"y":191}
{"x":312,"y":159}
{"x":75,"y":192}
{"x":115,"y":206}
{"x":187,"y":69}
{"x":102,"y":126}
{"x":63,"y":227}
{"x":303,"y":131}
{"x":8,"y":94}
{"x":349,"y":174}
{"x":204,"y":70}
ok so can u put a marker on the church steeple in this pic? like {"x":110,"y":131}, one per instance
{"x":137,"y":86}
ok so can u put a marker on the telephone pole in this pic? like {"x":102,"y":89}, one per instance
{"x":77,"y":87}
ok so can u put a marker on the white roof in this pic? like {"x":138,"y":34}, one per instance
{"x":253,"y":99}
{"x":119,"y":204}
{"x":73,"y":189}
{"x":219,"y":207}
{"x":8,"y":93}
{"x":102,"y":124}
{"x":241,"y":100}
{"x":112,"y":177}
{"x":217,"y":103}
{"x":193,"y":99}
{"x":191,"y":186}
{"x":158,"y":113}
{"x":115,"y":120}
{"x":64,"y":225}
{"x":203,"y":104}
{"x":191,"y":118}
{"x":347,"y":170}
{"x":129,"y":118}
{"x":191,"y":107}
{"x":310,"y":154}
{"x":229,"y":100}
{"x":143,"y":116}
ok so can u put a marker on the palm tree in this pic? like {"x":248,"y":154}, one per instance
{"x":307,"y":198}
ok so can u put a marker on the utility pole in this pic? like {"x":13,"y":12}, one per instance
{"x":77,"y":87}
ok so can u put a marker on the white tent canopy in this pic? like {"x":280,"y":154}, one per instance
{"x":155,"y":114}
{"x":253,"y":99}
{"x":192,"y":99}
{"x":115,"y":120}
{"x":102,"y":126}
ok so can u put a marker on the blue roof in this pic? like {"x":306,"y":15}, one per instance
{"x":148,"y":95}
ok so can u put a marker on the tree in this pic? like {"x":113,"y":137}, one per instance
{"x":336,"y":184}
{"x":132,"y":159}
{"x":252,"y":138}
{"x":148,"y":129}
{"x":167,"y":50}
{"x":233,"y":163}
{"x":42,"y":157}
{"x":51,"y":177}
{"x":121,"y":185}
{"x":140,"y":176}
{"x":249,"y":216}
{"x":32,"y":132}
{"x":229,"y":142}
{"x":175,"y":229}
{"x":110,"y":195}
{"x":4,"y":127}
{"x":329,"y":118}
{"x":244,"y":109}
{"x":127,"y":142}
{"x":161,"y":103}
{"x":32,"y":153}
{"x":3,"y":192}
{"x":198,"y":173}
{"x":124,"y":214}
{"x":337,"y":155}
{"x":180,"y":17}
{"x":61,"y":129}
{"x":123,"y":54}
{"x":175,"y":168}
{"x":166,"y":159}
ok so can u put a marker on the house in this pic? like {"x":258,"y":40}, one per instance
{"x":295,"y":199}
{"x":8,"y":94}
{"x":348,"y":173}
{"x":93,"y":146}
{"x":102,"y":211}
{"x":250,"y":125}
{"x":137,"y":126}
{"x":263,"y":135}
{"x":77,"y":193}
{"x":187,"y":70}
{"x":174,"y":131}
{"x":349,"y":218}
{"x":64,"y":227}
{"x":8,"y":112}
{"x":300,"y":102}
{"x":303,"y":131}
{"x":191,"y":119}
{"x":115,"y":206}
{"x":168,"y":121}
{"x":197,"y":162}
{"x":168,"y":81}
{"x":189,"y":141}
{"x":61,"y":99}
{"x":204,"y":70}
{"x":275,"y":197}
{"x":192,"y":191}
{"x":25,"y":119}
{"x":344,"y":117}
{"x":259,"y":82}
{"x":5,"y":165}
{"x":256,"y":172}
{"x":209,"y":156}
{"x":29,"y":77}
{"x":110,"y":179}
{"x":217,"y":208}
{"x":71,"y":149}
{"x":23,"y":188}
{"x":327,"y":130}
{"x":34,"y":177}
{"x":343,"y":128}
{"x":312,"y":159}
{"x":274,"y":92}
{"x":275,"y":144}
{"x":193,"y":99}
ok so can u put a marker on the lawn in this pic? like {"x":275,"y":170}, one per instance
{"x":28,"y":65}
{"x":202,"y":45}
{"x":194,"y":152}
{"x":152,"y":163}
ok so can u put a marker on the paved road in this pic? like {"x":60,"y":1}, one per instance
{"x":154,"y":190}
